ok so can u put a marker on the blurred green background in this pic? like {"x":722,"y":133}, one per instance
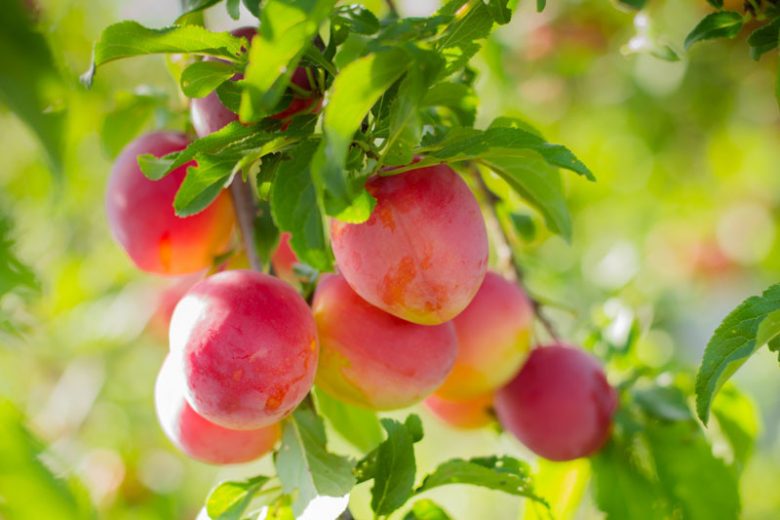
{"x":680,"y":227}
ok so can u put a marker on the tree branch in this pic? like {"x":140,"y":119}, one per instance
{"x":391,"y":6}
{"x":246,"y":211}
{"x":492,"y":201}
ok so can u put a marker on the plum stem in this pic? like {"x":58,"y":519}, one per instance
{"x":492,"y":201}
{"x":246,"y":211}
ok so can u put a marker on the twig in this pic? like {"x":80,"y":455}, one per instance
{"x":391,"y":6}
{"x":246,"y":211}
{"x":492,"y":201}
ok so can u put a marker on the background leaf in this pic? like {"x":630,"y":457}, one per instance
{"x":132,"y":114}
{"x":30,"y":81}
{"x":700,"y":485}
{"x":29,"y":489}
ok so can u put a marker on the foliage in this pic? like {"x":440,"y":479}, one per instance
{"x":395,"y":89}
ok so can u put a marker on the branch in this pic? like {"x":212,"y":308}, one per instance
{"x":246,"y":211}
{"x":492,"y":201}
{"x":391,"y":7}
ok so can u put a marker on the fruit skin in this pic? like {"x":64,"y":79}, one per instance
{"x":373,"y":359}
{"x":560,"y":405}
{"x":141,"y":217}
{"x":199,"y":438}
{"x":247,"y":343}
{"x":284,"y":259}
{"x":422,"y":255}
{"x":167,"y":298}
{"x":494,"y":338}
{"x":208,"y":114}
{"x":467,"y":414}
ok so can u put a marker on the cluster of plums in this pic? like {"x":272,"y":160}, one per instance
{"x":412,"y":314}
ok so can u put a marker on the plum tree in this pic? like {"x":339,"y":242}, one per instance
{"x":198,"y":437}
{"x":374,"y":359}
{"x":494,"y":337}
{"x":209,"y":114}
{"x":465,"y":414}
{"x":559,"y":405}
{"x":142,"y":219}
{"x":247,"y":344}
{"x":422,"y":254}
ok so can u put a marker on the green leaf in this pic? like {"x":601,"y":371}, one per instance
{"x":717,"y":4}
{"x":203,"y":183}
{"x":15,"y":276}
{"x":230,"y":500}
{"x":280,"y":509}
{"x":426,"y":509}
{"x":355,"y":90}
{"x":253,"y":6}
{"x":460,"y":99}
{"x":232,"y":137}
{"x":667,"y":403}
{"x":764,"y":39}
{"x":233,"y":8}
{"x":540,"y":5}
{"x":562,"y":484}
{"x":524,"y":225}
{"x":286,"y":31}
{"x":734,"y":341}
{"x":128,"y":39}
{"x":777,"y":92}
{"x":305,"y":466}
{"x":30,"y":82}
{"x":357,"y":425}
{"x":664,"y":52}
{"x":468,"y":144}
{"x":367,"y":467}
{"x":499,"y":10}
{"x":698,"y":484}
{"x":201,"y":78}
{"x":295,"y":208}
{"x":191,"y":6}
{"x":29,"y":489}
{"x":621,"y":490}
{"x":131,"y":115}
{"x":352,"y":19}
{"x":723,"y":24}
{"x":266,"y":232}
{"x":521,"y":157}
{"x":533,"y":179}
{"x":633,"y":4}
{"x":739,"y":422}
{"x":405,"y":129}
{"x":505,"y":474}
{"x":395,"y":469}
{"x":469,"y":23}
